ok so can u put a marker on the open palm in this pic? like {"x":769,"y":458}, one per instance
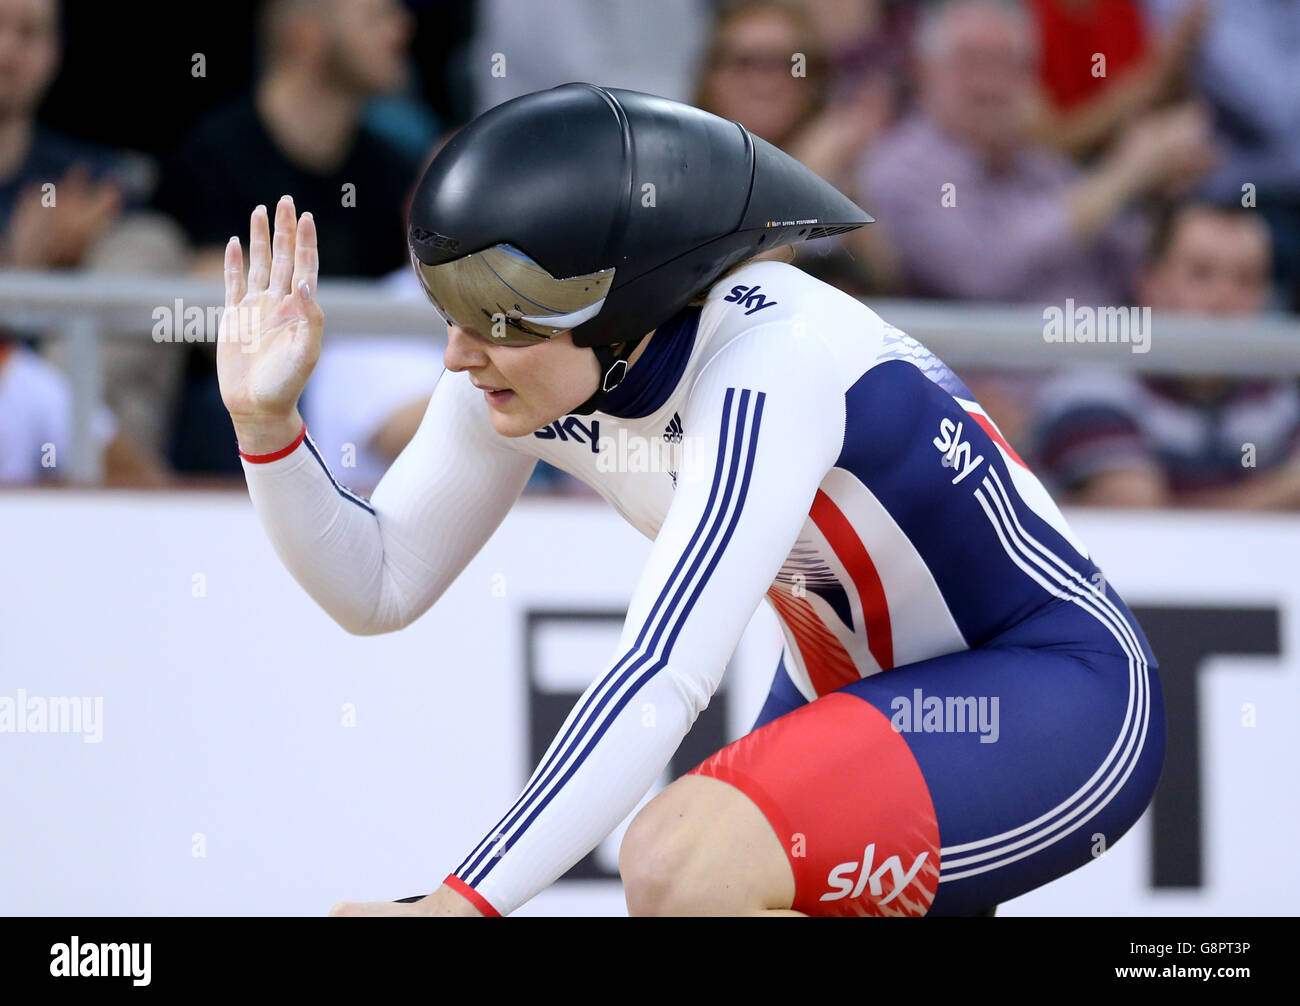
{"x":270,"y":334}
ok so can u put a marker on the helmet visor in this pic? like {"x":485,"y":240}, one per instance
{"x":504,"y":297}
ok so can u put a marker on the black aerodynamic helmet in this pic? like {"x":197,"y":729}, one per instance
{"x":604,"y":211}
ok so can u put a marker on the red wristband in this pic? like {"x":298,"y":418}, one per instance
{"x":283,"y":452}
{"x":472,"y":896}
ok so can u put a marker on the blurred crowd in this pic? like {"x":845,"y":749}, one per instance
{"x":1107,"y":152}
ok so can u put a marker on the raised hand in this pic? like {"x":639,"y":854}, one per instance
{"x":270,"y":334}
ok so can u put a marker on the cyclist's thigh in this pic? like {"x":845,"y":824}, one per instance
{"x":957,"y":782}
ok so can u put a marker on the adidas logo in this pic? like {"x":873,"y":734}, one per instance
{"x":673,"y":435}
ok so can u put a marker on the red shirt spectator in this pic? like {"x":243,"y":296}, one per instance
{"x":1071,"y":34}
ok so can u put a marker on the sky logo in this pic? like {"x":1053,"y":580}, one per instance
{"x":749,"y":298}
{"x":572,"y":428}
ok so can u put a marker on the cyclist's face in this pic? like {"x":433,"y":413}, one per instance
{"x":542,"y":382}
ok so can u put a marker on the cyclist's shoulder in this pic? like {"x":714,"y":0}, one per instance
{"x":765,"y":291}
{"x":771,"y":309}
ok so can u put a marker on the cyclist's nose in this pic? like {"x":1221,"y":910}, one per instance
{"x":463,"y":350}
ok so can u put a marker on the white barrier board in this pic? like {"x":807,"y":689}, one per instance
{"x":238,"y":753}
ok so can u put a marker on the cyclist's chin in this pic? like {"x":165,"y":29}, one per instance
{"x":515,"y":419}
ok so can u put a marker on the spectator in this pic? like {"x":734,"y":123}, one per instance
{"x":752,"y":74}
{"x":1246,"y":70}
{"x":865,"y":39}
{"x":302,"y":128}
{"x":64,"y":204}
{"x":1100,"y":68}
{"x":141,"y":378}
{"x":57,"y":195}
{"x":36,"y":426}
{"x":1119,"y":440}
{"x":975,"y":210}
{"x":521,"y":46}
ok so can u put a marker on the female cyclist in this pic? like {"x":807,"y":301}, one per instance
{"x":964,"y":709}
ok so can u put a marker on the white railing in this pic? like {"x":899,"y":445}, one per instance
{"x":82,"y":308}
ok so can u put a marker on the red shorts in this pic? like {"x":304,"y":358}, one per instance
{"x":862,"y":842}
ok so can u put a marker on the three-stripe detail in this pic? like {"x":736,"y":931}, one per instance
{"x":742,"y":413}
{"x":1057,"y":577}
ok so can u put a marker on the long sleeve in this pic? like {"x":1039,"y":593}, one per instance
{"x":376,"y":565}
{"x":761,"y":431}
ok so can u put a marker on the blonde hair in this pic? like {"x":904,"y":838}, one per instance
{"x":786,"y":254}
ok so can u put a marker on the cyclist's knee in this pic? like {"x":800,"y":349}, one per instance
{"x":702,"y":847}
{"x":655,"y":862}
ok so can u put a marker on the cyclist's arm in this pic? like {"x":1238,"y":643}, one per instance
{"x":375,"y":566}
{"x":763,"y":424}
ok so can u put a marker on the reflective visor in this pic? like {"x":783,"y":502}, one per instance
{"x":504,"y":297}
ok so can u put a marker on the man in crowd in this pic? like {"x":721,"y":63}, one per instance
{"x":1116,"y":439}
{"x":300,"y":131}
{"x":976,"y":211}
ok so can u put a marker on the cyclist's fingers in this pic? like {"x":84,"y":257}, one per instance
{"x":234,"y":272}
{"x":259,"y":251}
{"x":282,"y":247}
{"x":306,"y":258}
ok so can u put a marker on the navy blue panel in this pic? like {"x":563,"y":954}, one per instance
{"x":658,"y":369}
{"x":895,"y":413}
